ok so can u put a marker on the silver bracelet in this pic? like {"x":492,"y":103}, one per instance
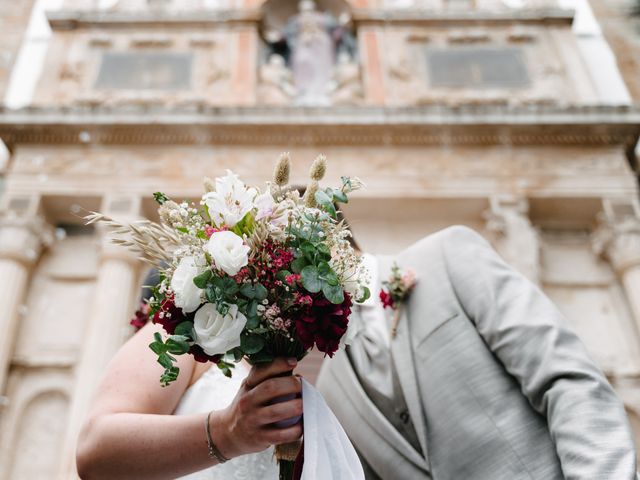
{"x":214,"y":452}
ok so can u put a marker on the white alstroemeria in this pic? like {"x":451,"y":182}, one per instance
{"x":187,"y":295}
{"x":231,"y":201}
{"x":265,"y":205}
{"x":228,"y":251}
{"x":216,"y":333}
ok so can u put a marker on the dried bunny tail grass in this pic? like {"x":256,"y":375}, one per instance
{"x":310,"y":194}
{"x":257,"y":238}
{"x":151,"y":241}
{"x":282,"y":170}
{"x":318,"y":168}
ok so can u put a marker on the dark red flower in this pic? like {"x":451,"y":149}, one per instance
{"x":387,"y":300}
{"x":324,"y":324}
{"x":141,"y":316}
{"x":169,"y":316}
{"x":200,"y":356}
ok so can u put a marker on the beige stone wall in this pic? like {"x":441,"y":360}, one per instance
{"x":14,"y":17}
{"x":543,"y":177}
{"x":620,"y":20}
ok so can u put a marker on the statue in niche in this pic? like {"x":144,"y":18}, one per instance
{"x":276,"y":82}
{"x":309,"y":45}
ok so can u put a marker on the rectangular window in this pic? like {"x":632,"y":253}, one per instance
{"x":477,"y":67}
{"x":145,"y":71}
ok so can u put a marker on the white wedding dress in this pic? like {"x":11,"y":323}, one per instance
{"x":214,"y":391}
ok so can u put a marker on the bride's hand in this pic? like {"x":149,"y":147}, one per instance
{"x":246,"y":425}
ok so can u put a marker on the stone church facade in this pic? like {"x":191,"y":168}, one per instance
{"x":451,"y":111}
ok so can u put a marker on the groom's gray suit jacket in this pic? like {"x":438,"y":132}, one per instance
{"x":497,"y":385}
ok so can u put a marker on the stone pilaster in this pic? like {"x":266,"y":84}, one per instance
{"x":514,"y":237}
{"x":23,"y":235}
{"x":617,"y":239}
{"x":116,"y":288}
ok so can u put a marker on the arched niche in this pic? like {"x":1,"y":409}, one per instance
{"x":276,"y":13}
{"x":309,"y":53}
{"x":39,"y":436}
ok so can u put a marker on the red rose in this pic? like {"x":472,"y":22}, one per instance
{"x":141,"y":316}
{"x":200,"y":356}
{"x":169,"y":316}
{"x":323,"y":324}
{"x":387,"y":300}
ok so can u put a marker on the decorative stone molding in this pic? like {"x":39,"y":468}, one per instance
{"x":514,"y":236}
{"x":23,"y":231}
{"x":428,"y":125}
{"x":617,"y":237}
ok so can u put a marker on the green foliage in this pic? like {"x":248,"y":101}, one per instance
{"x":176,"y":345}
{"x":245,"y":226}
{"x":251,"y":343}
{"x":201,"y":280}
{"x":225,"y":367}
{"x":160,"y":197}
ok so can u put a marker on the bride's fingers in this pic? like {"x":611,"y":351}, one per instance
{"x":280,"y":411}
{"x":260,"y":373}
{"x":274,"y":388}
{"x":277,"y":436}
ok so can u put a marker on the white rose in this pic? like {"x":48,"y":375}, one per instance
{"x":187,"y":295}
{"x":215,"y":333}
{"x":228,"y":251}
{"x":231,"y":200}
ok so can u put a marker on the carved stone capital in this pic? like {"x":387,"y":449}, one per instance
{"x":619,"y":243}
{"x":617,"y":236}
{"x":24,"y":232}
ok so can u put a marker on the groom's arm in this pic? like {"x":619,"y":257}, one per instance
{"x":532,"y":340}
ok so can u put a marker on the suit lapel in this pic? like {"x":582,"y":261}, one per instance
{"x":402,"y":353}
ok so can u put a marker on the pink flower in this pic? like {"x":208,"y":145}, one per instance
{"x":409,"y":278}
{"x":209,"y":230}
{"x":291,"y":279}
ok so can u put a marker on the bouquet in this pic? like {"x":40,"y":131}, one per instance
{"x":249,"y":273}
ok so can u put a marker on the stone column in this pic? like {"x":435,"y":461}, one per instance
{"x":108,"y":328}
{"x":514,"y":237}
{"x":23,"y":234}
{"x":617,"y":239}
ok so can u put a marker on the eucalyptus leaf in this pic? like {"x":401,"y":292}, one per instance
{"x":248,"y":291}
{"x":165,"y":360}
{"x":340,"y":196}
{"x":308,"y":250}
{"x":251,"y":344}
{"x":261,"y":291}
{"x":311,"y":279}
{"x":186,"y":329}
{"x":178,"y":344}
{"x":252,"y":322}
{"x":333,"y":293}
{"x":201,"y":280}
{"x":322,"y":198}
{"x":298,"y":264}
{"x":366,"y":293}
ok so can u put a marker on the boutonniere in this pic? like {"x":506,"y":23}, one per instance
{"x":395,"y":291}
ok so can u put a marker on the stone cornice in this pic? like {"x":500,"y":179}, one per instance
{"x":544,"y":16}
{"x":76,"y":19}
{"x":429,"y":125}
{"x":72,"y":19}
